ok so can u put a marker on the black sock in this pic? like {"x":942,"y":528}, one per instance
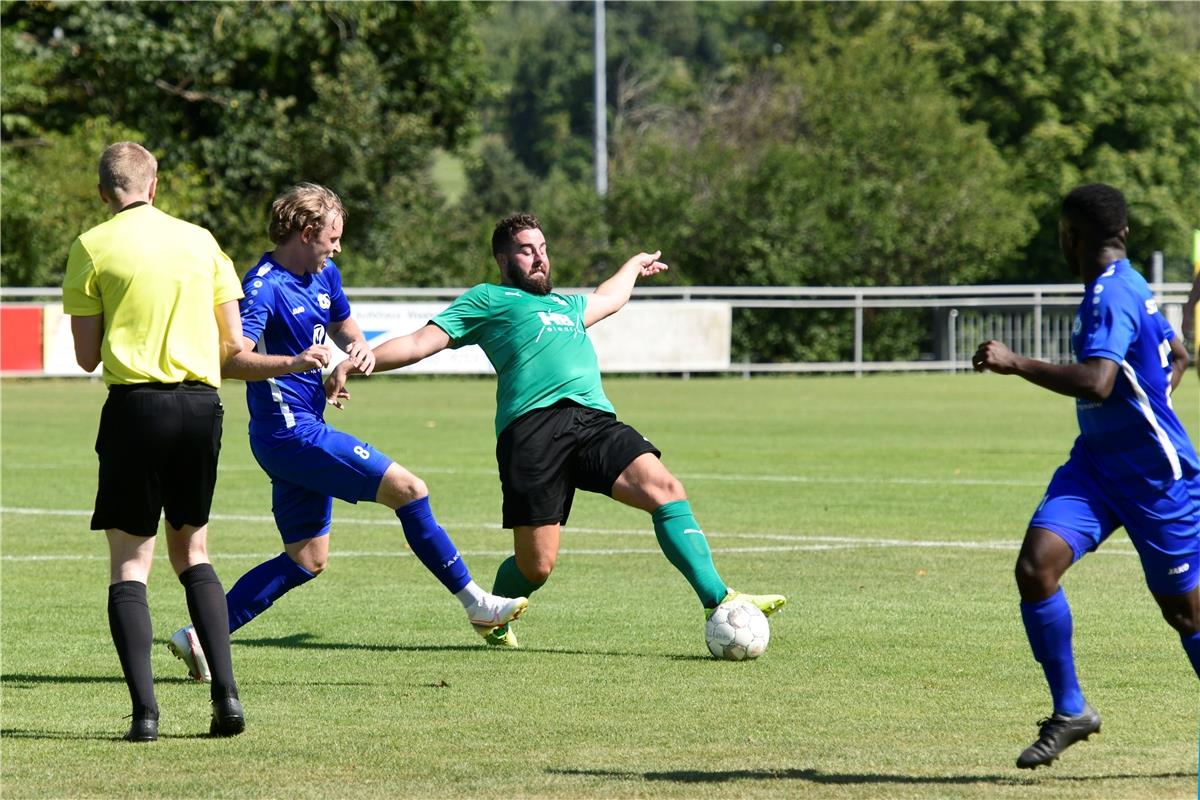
{"x":210,"y":615}
{"x":129,"y":621}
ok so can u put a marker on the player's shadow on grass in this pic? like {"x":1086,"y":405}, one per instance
{"x":307,"y":641}
{"x":18,"y":680}
{"x":22,"y":733}
{"x":848,"y":778}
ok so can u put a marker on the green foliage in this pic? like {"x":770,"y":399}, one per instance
{"x":1080,"y":92}
{"x":255,"y":97}
{"x":44,"y":202}
{"x":755,"y":143}
{"x":855,"y":169}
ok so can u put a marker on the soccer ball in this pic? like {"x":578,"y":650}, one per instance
{"x":737,"y":631}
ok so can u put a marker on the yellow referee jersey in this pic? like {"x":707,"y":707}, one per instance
{"x":155,"y":279}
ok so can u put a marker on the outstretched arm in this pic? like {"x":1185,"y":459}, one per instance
{"x":611,"y":295}
{"x":405,"y":350}
{"x":392,"y":354}
{"x":1092,"y":379}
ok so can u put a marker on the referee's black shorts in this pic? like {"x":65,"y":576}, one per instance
{"x":158,"y":446}
{"x":548,"y":453}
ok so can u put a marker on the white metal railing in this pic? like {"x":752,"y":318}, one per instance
{"x":1034,"y":319}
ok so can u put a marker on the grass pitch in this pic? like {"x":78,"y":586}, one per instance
{"x":888,"y":508}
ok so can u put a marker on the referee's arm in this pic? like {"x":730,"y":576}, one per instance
{"x":229,"y":329}
{"x":87,"y":332}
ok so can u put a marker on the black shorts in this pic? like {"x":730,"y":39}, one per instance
{"x":548,"y":453}
{"x":158,"y":446}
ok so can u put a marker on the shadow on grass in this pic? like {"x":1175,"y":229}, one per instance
{"x":18,"y":680}
{"x":22,"y":733}
{"x":306,"y":641}
{"x":839,"y":778}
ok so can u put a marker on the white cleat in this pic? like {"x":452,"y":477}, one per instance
{"x":185,"y":645}
{"x":492,"y":611}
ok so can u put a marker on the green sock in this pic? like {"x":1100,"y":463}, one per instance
{"x":511,"y":583}
{"x":684,"y":545}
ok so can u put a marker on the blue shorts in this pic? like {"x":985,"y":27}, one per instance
{"x":314,"y":465}
{"x":1165,"y":528}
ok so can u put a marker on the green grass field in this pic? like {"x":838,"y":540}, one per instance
{"x":888,"y":508}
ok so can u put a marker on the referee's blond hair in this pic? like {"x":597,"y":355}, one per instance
{"x":300,"y":206}
{"x":127,"y":168}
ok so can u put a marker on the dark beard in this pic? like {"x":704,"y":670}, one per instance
{"x":539,"y":285}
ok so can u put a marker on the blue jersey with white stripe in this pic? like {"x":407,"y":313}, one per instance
{"x":1133,"y":437}
{"x":285,"y":314}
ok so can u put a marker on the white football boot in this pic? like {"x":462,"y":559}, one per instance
{"x":492,"y":611}
{"x":185,"y":645}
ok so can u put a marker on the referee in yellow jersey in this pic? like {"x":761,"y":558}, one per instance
{"x":154,"y":299}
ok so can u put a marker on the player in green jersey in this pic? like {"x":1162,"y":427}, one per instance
{"x":556,"y":431}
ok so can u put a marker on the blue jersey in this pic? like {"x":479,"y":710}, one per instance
{"x":1133,"y":438}
{"x":285,"y":314}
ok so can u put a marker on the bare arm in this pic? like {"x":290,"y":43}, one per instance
{"x":1092,"y":379}
{"x":1179,"y":361}
{"x":248,"y":365}
{"x":405,"y":350}
{"x":614,"y":293}
{"x":1189,"y":311}
{"x":88,"y":332}
{"x":229,"y":329}
{"x":392,"y":354}
{"x":349,"y":337}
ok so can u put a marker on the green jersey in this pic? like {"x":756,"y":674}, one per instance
{"x":537,"y":344}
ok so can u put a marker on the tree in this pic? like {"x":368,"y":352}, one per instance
{"x":853,"y":169}
{"x":1069,"y":92}
{"x":253,"y":96}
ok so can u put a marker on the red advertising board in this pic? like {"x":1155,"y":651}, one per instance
{"x":20,"y":338}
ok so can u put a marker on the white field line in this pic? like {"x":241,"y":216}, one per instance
{"x":789,"y":542}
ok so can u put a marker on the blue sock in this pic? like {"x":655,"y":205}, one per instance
{"x":1191,"y":646}
{"x":430,"y":543}
{"x":1048,"y":626}
{"x":255,"y":591}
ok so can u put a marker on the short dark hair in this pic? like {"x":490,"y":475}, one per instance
{"x":1097,"y":210}
{"x":506,"y":230}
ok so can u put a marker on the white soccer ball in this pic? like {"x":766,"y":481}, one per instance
{"x":737,"y":631}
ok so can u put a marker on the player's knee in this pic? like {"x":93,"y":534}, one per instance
{"x":663,"y":489}
{"x":672,"y":489}
{"x":400,"y":490}
{"x":313,"y":563}
{"x":1034,"y":581}
{"x":1183,"y":617}
{"x":537,"y":569}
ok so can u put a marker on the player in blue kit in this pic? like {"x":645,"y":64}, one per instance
{"x":293,"y":305}
{"x":1132,"y":464}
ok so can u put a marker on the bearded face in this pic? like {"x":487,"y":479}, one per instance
{"x":527,"y":265}
{"x":534,"y":283}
